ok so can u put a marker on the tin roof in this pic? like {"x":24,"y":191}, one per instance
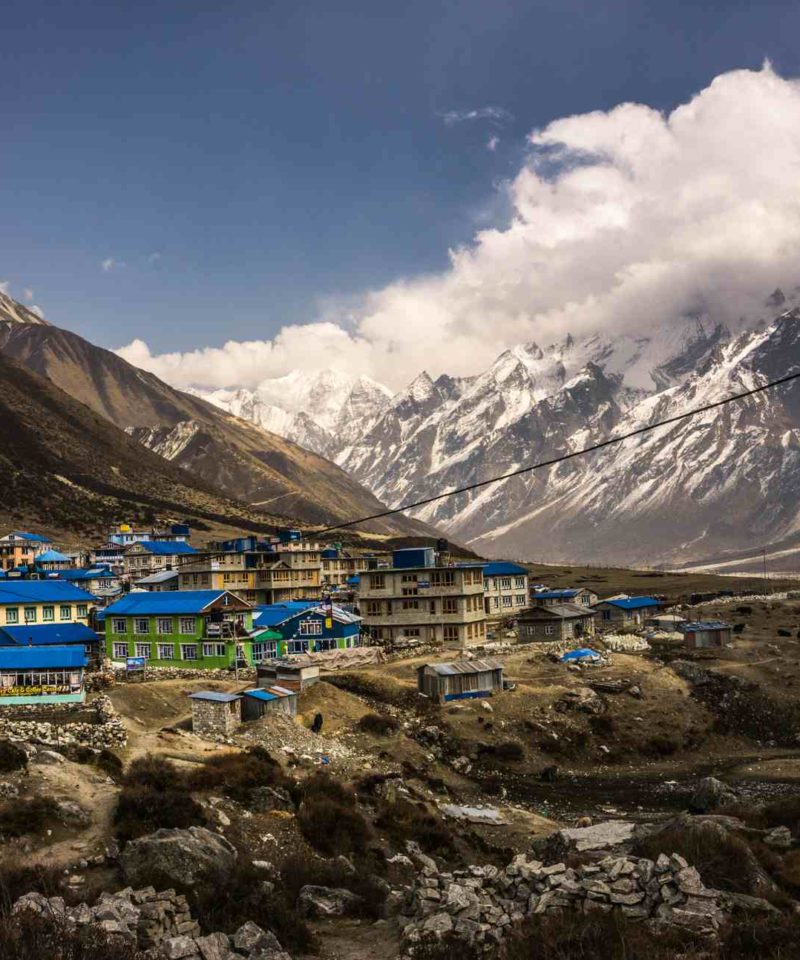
{"x":632,"y":603}
{"x":169,"y":602}
{"x":462,"y":666}
{"x":42,"y":591}
{"x":703,"y":625}
{"x":214,"y":696}
{"x":47,"y":634}
{"x":32,"y":658}
{"x":269,"y":693}
{"x":565,"y":611}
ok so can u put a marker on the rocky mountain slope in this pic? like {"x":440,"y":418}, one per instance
{"x":242,"y":461}
{"x":714,"y":489}
{"x":67,"y":471}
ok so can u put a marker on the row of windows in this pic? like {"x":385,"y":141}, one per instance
{"x":517,"y":600}
{"x":166,"y":651}
{"x":31,"y":614}
{"x":142,"y":625}
{"x":504,"y":583}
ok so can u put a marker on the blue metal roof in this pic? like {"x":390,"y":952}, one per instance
{"x":215,"y":696}
{"x":501,"y":568}
{"x":86,"y":573}
{"x":45,"y":634}
{"x":704,"y":625}
{"x":167,"y":602}
{"x":269,"y":693}
{"x":42,"y":591}
{"x":633,"y":603}
{"x":33,"y":537}
{"x":31,"y":658}
{"x":52,"y":556}
{"x":261,"y":695}
{"x":271,"y":614}
{"x":165,"y":548}
{"x":565,"y":594}
{"x":354,"y":580}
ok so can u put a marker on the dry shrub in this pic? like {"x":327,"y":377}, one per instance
{"x":237,"y":775}
{"x":154,"y":773}
{"x":141,"y":810}
{"x":404,"y":820}
{"x":762,"y":938}
{"x":18,"y":879}
{"x":12,"y":757}
{"x":725,"y":861}
{"x":378,"y":724}
{"x":227,"y":901}
{"x":329,"y":819}
{"x":35,"y":815}
{"x":382,"y":689}
{"x":299,"y":871}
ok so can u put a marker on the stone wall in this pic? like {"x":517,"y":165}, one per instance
{"x":481,"y":903}
{"x":107,"y":730}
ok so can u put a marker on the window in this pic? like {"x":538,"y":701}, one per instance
{"x":409,"y":591}
{"x":548,"y":629}
{"x":65,"y":611}
{"x":519,"y":600}
{"x":310,"y":628}
{"x":450,"y":634}
{"x":505,"y":583}
{"x":606,"y":614}
{"x":377,"y":581}
{"x":409,"y":578}
{"x":449,"y":605}
{"x":82,"y":611}
{"x":495,"y":603}
{"x":411,"y":631}
{"x":142,"y":650}
{"x":188,"y":625}
{"x":411,"y":604}
{"x":519,"y":583}
{"x":164,"y":625}
{"x":213,"y":649}
{"x":373,"y":607}
{"x":265,"y":650}
{"x":298,"y":646}
{"x":188,"y":651}
{"x":30,"y":614}
{"x":507,"y":600}
{"x":48,"y":614}
{"x":120,"y":650}
{"x":443,"y":578}
{"x":12,"y":614}
{"x":166,"y":651}
{"x":141,"y":625}
{"x":329,"y":643}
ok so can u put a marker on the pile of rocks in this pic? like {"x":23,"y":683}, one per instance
{"x":108,"y":731}
{"x":178,"y":673}
{"x":159,"y":922}
{"x":481,"y":903}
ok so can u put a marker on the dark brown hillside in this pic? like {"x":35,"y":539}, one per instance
{"x":240,"y":460}
{"x":66,"y":470}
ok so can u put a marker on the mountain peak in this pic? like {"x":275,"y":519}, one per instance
{"x":12,"y":311}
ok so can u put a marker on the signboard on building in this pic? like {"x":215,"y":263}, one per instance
{"x":135,"y":663}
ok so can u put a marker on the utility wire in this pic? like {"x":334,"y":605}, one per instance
{"x":566,"y":456}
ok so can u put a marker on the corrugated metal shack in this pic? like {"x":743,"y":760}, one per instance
{"x":256,"y":703}
{"x":293,"y":676}
{"x":705,"y":634}
{"x":460,"y":679}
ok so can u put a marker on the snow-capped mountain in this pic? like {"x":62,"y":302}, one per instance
{"x":324,"y":412}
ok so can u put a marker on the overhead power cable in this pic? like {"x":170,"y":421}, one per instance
{"x":565,"y":456}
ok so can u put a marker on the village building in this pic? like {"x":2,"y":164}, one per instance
{"x":668,"y":622}
{"x":624,"y":613}
{"x":291,"y":571}
{"x":705,"y":634}
{"x":505,"y":589}
{"x":338,"y":566}
{"x":101,"y":582}
{"x":124,"y":534}
{"x":207,"y":629}
{"x":552,"y":622}
{"x":41,"y":675}
{"x":578,"y":595}
{"x":159,"y":582}
{"x":460,"y":680}
{"x":144,"y":557}
{"x":215,"y":714}
{"x":50,"y":560}
{"x":297,"y":627}
{"x":415,"y":600}
{"x":20,"y":549}
{"x":285,"y":673}
{"x":30,"y":602}
{"x":260,"y":701}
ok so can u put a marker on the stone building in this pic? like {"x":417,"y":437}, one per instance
{"x":215,"y":714}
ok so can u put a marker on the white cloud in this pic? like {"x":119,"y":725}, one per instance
{"x":110,"y":264}
{"x":491,"y":143}
{"x":622,"y":220}
{"x":28,"y":293}
{"x":154,"y":257}
{"x":4,"y":285}
{"x":497,"y":114}
{"x":37,"y":310}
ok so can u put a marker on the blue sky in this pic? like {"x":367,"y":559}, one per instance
{"x":243,"y":163}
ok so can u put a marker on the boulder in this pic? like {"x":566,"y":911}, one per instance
{"x":327,"y":902}
{"x":600,"y":836}
{"x":175,"y":948}
{"x":180,"y":857}
{"x":780,"y":838}
{"x":709,"y":794}
{"x":216,"y":946}
{"x":250,"y":938}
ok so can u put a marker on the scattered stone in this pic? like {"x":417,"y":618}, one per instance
{"x":710,"y":794}
{"x":780,"y":838}
{"x":318,"y":902}
{"x":183,"y":857}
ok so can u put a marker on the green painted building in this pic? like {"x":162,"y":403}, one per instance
{"x":193,"y":629}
